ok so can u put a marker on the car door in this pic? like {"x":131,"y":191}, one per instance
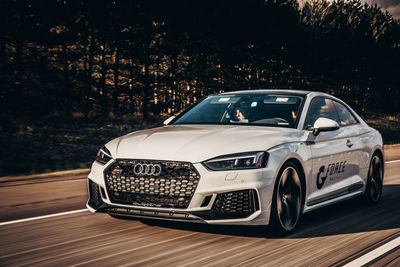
{"x":355,"y":136}
{"x":332,"y":163}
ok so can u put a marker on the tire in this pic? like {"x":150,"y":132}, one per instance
{"x":287,"y":202}
{"x":373,"y":191}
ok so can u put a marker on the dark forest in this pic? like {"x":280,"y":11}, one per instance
{"x":62,"y":60}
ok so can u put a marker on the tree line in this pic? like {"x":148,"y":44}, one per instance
{"x":59,"y":58}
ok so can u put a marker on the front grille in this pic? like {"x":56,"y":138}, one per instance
{"x":172,"y":188}
{"x":95,"y":200}
{"x":236,"y":204}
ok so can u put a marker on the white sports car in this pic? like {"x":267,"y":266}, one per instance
{"x":259,"y":157}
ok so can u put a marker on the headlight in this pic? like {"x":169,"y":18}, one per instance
{"x":103,"y":155}
{"x":252,"y":160}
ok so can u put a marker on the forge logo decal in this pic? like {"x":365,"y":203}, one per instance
{"x":321,"y":180}
{"x":332,"y":169}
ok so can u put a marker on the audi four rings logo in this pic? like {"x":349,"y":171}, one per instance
{"x":147,"y":169}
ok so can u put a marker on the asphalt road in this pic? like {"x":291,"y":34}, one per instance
{"x":330,"y":236}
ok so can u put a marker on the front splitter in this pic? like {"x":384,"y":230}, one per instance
{"x":151,"y":214}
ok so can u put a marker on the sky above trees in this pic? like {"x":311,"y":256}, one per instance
{"x":392,"y":6}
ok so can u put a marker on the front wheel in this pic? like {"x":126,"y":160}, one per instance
{"x":373,"y":192}
{"x":287,"y":200}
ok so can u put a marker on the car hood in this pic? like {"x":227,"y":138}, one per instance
{"x":196,"y":143}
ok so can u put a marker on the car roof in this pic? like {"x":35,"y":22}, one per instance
{"x":276,"y":91}
{"x":279,"y":91}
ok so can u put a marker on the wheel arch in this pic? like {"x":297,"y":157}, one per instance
{"x":290,"y":161}
{"x":297,"y":153}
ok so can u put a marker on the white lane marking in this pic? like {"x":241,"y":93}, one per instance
{"x":392,"y":161}
{"x":43,"y":217}
{"x":370,"y":256}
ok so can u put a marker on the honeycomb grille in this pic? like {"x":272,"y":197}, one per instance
{"x":172,"y":188}
{"x":236,"y":204}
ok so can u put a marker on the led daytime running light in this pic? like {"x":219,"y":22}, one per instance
{"x":252,"y":160}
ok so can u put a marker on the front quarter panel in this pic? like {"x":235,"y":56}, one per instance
{"x":298,"y":151}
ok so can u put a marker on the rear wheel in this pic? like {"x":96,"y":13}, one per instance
{"x":373,"y":192}
{"x":287,"y":200}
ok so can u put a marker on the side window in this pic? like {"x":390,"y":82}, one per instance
{"x":346,"y":118}
{"x":321,"y":108}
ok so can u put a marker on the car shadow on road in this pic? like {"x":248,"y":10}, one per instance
{"x":351,"y":216}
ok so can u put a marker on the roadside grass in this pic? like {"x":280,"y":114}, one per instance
{"x":56,"y":144}
{"x":387,"y":125}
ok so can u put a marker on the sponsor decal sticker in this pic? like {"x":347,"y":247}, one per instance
{"x":331,"y":171}
{"x":282,"y":99}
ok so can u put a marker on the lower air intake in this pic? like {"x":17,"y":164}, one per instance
{"x":236,"y":204}
{"x":94,"y":195}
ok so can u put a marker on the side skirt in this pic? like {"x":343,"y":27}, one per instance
{"x":351,"y":189}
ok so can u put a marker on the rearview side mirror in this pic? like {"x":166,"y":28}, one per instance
{"x":324,"y":125}
{"x":167,"y":121}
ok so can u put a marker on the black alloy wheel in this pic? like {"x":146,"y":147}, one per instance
{"x":373,"y":192}
{"x":288,"y":200}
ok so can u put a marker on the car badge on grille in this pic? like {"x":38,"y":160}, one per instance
{"x":117,"y":170}
{"x":147,"y":169}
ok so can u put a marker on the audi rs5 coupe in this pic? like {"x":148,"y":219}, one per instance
{"x":260,"y":157}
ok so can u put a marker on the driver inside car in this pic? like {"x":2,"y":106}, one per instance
{"x":241,"y":114}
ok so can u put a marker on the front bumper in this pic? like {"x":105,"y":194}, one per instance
{"x":221,"y":197}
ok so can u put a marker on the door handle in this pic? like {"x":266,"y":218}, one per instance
{"x":349,"y":143}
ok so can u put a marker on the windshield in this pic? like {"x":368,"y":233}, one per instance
{"x":280,"y":110}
